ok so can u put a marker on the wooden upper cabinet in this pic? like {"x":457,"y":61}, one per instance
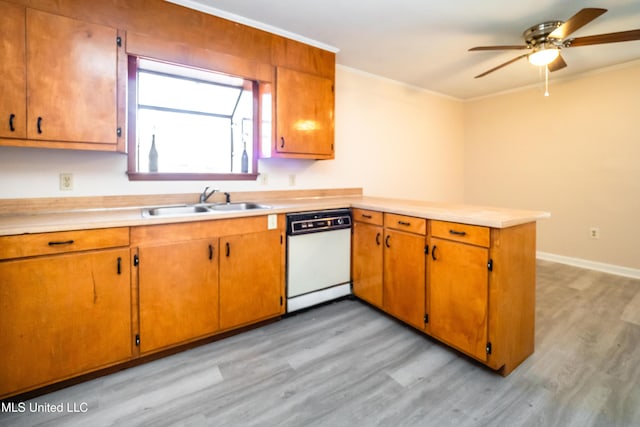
{"x":72,"y":80}
{"x":13,"y":110}
{"x":304,"y":115}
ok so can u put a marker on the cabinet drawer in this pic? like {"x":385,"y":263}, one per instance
{"x":370,"y":217}
{"x":405,"y":223}
{"x":472,"y":234}
{"x":27,"y":245}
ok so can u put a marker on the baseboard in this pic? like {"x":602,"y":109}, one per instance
{"x":590,"y":265}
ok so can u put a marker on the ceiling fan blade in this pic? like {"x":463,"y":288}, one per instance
{"x":576,"y":22}
{"x":501,"y":65}
{"x":622,"y":36}
{"x":508,"y":47}
{"x":557,"y":64}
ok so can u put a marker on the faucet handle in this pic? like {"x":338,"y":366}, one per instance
{"x":227,"y":197}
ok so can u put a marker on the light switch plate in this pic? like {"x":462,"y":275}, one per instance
{"x":272,"y":221}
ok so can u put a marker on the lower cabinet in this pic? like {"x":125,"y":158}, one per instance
{"x":459,"y":296}
{"x":367,"y":256}
{"x":178,"y":292}
{"x":404,"y":276}
{"x":200,"y":278}
{"x":250,"y":278}
{"x":469,"y":286}
{"x":63,"y":315}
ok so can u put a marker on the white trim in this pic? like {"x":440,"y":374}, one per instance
{"x":590,"y":265}
{"x":252,"y":23}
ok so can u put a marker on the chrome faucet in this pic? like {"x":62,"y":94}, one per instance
{"x":204,"y":196}
{"x":227,"y":197}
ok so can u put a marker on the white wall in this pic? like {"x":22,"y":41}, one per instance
{"x":575,"y":154}
{"x":391,"y":140}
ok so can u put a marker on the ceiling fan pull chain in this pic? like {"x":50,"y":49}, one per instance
{"x":546,"y":80}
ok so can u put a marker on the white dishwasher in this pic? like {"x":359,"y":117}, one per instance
{"x":318,"y":257}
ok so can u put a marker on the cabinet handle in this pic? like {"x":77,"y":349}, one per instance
{"x":378,"y":239}
{"x":458,"y":233}
{"x":39,"y":125}
{"x":367,"y":216}
{"x":387,"y":241}
{"x":405,"y":223}
{"x":282,"y":142}
{"x":58,"y":243}
{"x":119,"y":265}
{"x":228,"y":248}
{"x":433,"y":253}
{"x":210,"y":251}
{"x":11,"y":119}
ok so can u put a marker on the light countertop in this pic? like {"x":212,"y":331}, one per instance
{"x":80,"y":219}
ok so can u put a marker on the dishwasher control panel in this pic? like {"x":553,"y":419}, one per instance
{"x":317,"y":221}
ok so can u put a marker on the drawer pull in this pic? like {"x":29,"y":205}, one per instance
{"x":39,"y":125}
{"x":367,"y":216}
{"x":405,"y":223}
{"x":12,"y":117}
{"x":458,"y":233}
{"x":59,"y":243}
{"x":282,"y":142}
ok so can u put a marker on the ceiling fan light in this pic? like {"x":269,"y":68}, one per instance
{"x":544,"y":56}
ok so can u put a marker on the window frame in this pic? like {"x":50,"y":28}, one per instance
{"x":132,"y":113}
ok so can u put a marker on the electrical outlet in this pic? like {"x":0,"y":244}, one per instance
{"x":292,"y":180}
{"x":594,"y":232}
{"x":264,"y":178}
{"x":66,"y":181}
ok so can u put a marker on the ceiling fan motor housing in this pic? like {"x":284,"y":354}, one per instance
{"x":538,"y":35}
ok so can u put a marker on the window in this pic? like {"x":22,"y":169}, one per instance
{"x":186,"y":123}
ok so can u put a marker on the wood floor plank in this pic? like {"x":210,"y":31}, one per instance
{"x":347,"y":364}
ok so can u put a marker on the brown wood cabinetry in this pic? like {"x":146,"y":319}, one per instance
{"x":475,"y":288}
{"x":458,"y":287}
{"x":197,"y":279}
{"x":304,"y":115}
{"x":367,"y":256}
{"x":68,"y":75}
{"x":251,"y":278}
{"x":404,"y":292}
{"x":13,"y":109}
{"x":62,"y":315}
{"x":178,"y":292}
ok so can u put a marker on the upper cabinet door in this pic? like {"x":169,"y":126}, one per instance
{"x":72,"y":80}
{"x":13,"y":110}
{"x":304,"y":115}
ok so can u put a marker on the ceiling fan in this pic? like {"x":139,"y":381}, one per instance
{"x":544,"y":41}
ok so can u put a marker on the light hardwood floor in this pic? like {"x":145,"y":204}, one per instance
{"x":345,"y":364}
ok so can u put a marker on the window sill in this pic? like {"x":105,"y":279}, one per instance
{"x":174,"y":176}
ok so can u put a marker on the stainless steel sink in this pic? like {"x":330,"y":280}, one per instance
{"x":175,"y":210}
{"x":240,"y":206}
{"x":199,"y":209}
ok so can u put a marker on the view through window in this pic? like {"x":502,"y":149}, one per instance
{"x":191,"y":121}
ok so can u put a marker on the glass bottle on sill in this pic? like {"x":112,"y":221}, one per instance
{"x":245,"y":160}
{"x":153,"y":155}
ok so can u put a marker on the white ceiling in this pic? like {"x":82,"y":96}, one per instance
{"x":425,"y":43}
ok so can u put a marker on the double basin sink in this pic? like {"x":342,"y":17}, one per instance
{"x":201,"y":208}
